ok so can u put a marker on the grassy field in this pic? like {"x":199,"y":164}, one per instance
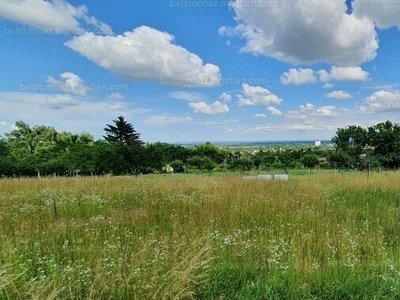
{"x":324,"y":236}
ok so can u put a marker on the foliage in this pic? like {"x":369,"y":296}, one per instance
{"x":349,"y":137}
{"x":286,"y":158}
{"x":41,"y":150}
{"x":157,"y":155}
{"x":3,"y":148}
{"x":122,"y":132}
{"x":178,"y":166}
{"x":310,"y":161}
{"x":209,"y":150}
{"x":340,"y":159}
{"x":353,"y":145}
{"x":263,"y":159}
{"x":126,"y":146}
{"x":243,"y":163}
{"x":201,"y":163}
{"x":351,"y":140}
{"x":385,"y":139}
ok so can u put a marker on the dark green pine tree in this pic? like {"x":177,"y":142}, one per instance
{"x":124,"y":143}
{"x":122,"y":132}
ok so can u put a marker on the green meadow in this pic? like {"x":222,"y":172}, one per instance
{"x":316,"y":236}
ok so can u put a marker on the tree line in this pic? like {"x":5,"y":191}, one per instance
{"x":43,"y":151}
{"x":376,"y":146}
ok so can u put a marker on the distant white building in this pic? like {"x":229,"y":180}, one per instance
{"x":317,"y":143}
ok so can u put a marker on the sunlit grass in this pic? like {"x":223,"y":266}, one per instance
{"x":327,"y":236}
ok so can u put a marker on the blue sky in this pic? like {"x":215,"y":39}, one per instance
{"x":200,"y":70}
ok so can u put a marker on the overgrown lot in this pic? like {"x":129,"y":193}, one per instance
{"x":326,"y":236}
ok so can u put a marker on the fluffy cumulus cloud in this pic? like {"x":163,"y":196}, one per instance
{"x":257,"y":95}
{"x":56,"y":16}
{"x":307,"y":31}
{"x":343,"y":74}
{"x":216,"y":108}
{"x":298,"y":76}
{"x":225,"y":97}
{"x":146,"y":54}
{"x":71,"y":83}
{"x":274,"y":111}
{"x":385,"y":14}
{"x":326,"y":111}
{"x":302,"y":112}
{"x":385,"y":101}
{"x":340,"y":95}
{"x":309,"y":112}
{"x":302,"y":76}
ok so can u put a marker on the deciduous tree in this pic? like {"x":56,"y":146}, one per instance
{"x":385,"y":139}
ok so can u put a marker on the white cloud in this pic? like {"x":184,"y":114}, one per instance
{"x":60,"y":101}
{"x":72,"y":84}
{"x":385,"y":101}
{"x":295,"y":114}
{"x":309,"y":111}
{"x":301,"y":113}
{"x":306,"y":107}
{"x":274,"y":111}
{"x":55,"y":16}
{"x":257,"y":95}
{"x":328,"y":85}
{"x":340,"y":95}
{"x":216,"y":108}
{"x":59,"y":111}
{"x":344,"y":74}
{"x":160,"y":120}
{"x":326,"y":111}
{"x":146,"y":54}
{"x":39,"y":100}
{"x":115,"y":96}
{"x":187,"y":96}
{"x":115,"y":101}
{"x":5,"y":127}
{"x":302,"y":76}
{"x":385,"y":14}
{"x":307,"y":31}
{"x":314,"y":122}
{"x":117,"y":106}
{"x":298,"y":77}
{"x":290,"y":128}
{"x":225,"y":97}
{"x":383,"y":86}
{"x":259,"y":116}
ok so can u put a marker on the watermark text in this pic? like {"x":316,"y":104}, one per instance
{"x":77,"y":89}
{"x":212,"y":82}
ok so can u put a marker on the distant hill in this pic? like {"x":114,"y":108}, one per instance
{"x":252,"y":144}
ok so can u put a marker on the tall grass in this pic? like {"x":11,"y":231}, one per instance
{"x":325,"y":236}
